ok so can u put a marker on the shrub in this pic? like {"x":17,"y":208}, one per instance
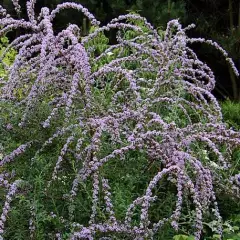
{"x":143,"y":104}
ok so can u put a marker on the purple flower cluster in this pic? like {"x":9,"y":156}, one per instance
{"x":6,"y":207}
{"x":18,"y":151}
{"x":165,"y":74}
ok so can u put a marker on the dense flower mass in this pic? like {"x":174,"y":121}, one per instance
{"x":138,"y":80}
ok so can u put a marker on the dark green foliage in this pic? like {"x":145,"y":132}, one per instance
{"x":231,"y":113}
{"x":126,"y":183}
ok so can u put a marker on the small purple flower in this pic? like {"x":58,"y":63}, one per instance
{"x":9,"y":126}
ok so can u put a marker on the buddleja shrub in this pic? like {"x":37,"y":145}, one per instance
{"x":145,"y":95}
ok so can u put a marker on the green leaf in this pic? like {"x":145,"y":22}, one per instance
{"x":216,"y":236}
{"x":235,"y":228}
{"x":181,"y":237}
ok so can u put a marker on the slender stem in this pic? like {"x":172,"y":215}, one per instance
{"x":230,"y":9}
{"x":239,"y":17}
{"x":84,"y":27}
{"x":234,"y":83}
{"x":169,"y":8}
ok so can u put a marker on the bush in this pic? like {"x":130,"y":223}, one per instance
{"x":89,"y":119}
